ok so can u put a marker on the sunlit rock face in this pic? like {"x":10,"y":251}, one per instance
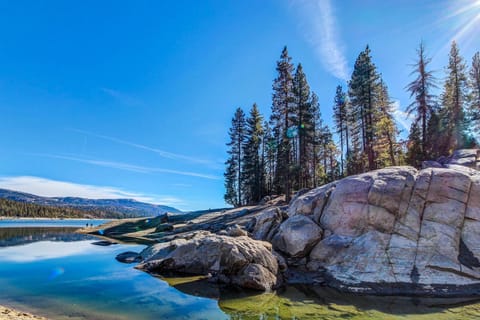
{"x":398,"y":230}
{"x":393,"y":231}
{"x":238,"y":261}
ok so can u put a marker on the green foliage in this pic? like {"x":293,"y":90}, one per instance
{"x":363,"y":98}
{"x":305,"y":128}
{"x":340,"y":117}
{"x":296,"y":150}
{"x":367,"y":118}
{"x":474,"y":98}
{"x":281,"y":120}
{"x":385,"y":144}
{"x":415,"y":154}
{"x":422,"y":105}
{"x":454,"y":96}
{"x":233,"y":173}
{"x":253,"y":171}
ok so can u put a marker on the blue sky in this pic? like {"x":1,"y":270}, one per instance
{"x":134,"y":98}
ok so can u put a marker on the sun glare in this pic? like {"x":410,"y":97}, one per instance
{"x":465,"y":14}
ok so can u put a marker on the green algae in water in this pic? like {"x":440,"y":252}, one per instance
{"x":303,"y":302}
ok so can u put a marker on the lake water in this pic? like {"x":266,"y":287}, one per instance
{"x":52,"y":271}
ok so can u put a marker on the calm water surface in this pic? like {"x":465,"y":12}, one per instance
{"x":51,"y":271}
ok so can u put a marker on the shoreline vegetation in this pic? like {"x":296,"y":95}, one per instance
{"x":19,"y":209}
{"x":7,"y":313}
{"x":55,"y":219}
{"x":294,"y":148}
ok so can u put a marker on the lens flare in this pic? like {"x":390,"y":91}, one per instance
{"x":56,"y":272}
{"x":466,"y":13}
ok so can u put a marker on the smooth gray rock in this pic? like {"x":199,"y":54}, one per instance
{"x":431,"y":164}
{"x":297,"y":236}
{"x":308,"y":202}
{"x":243,"y":261}
{"x":398,"y":230}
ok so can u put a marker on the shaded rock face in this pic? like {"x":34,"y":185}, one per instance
{"x":417,"y":229}
{"x":240,"y":261}
{"x":267,"y":223}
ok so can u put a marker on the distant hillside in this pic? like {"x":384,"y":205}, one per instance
{"x":107,"y":207}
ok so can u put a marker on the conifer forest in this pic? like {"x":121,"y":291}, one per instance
{"x":294,"y":149}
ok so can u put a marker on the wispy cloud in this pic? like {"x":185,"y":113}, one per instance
{"x":161,"y":153}
{"x":320,"y":28}
{"x":122,"y":97}
{"x":53,"y":188}
{"x":126,"y":166}
{"x":401,"y":116}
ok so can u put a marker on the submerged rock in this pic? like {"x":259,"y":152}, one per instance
{"x":128,"y":257}
{"x":240,"y":261}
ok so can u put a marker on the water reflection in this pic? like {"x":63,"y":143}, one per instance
{"x":43,"y":271}
{"x":18,"y":236}
{"x":43,"y":250}
{"x":309,"y":302}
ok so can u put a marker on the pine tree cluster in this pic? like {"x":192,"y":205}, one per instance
{"x":448,"y":122}
{"x":295,"y":150}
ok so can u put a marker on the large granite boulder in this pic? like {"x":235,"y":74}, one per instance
{"x":239,"y":260}
{"x":297,"y":236}
{"x":396,"y":230}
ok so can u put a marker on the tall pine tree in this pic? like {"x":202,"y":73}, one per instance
{"x":475,"y":92}
{"x":340,"y":117}
{"x":253,"y":170}
{"x":453,"y":103}
{"x":362,"y":92}
{"x":304,"y":122}
{"x":386,"y":131}
{"x":233,"y":173}
{"x":269,"y":150}
{"x":422,"y":105}
{"x":316,"y":143}
{"x":282,"y":121}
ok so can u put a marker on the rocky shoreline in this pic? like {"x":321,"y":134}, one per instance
{"x":12,"y":314}
{"x":393,"y":231}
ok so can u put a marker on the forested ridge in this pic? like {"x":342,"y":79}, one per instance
{"x":10,"y":208}
{"x":294,"y":149}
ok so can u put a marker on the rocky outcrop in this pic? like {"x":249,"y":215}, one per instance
{"x":392,"y":231}
{"x":398,"y":230}
{"x":238,"y":260}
